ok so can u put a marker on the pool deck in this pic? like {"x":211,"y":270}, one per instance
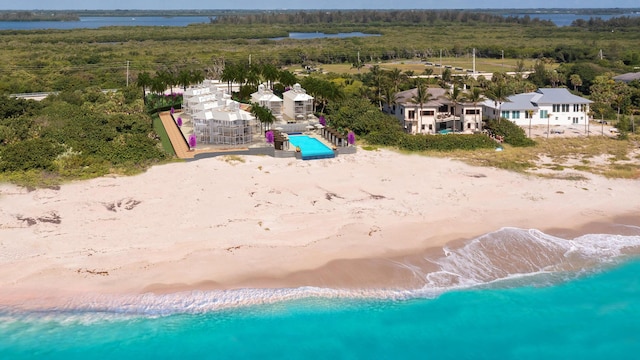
{"x":179,"y":144}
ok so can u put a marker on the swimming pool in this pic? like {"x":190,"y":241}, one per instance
{"x":310,"y":148}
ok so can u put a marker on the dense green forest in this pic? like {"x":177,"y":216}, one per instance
{"x":83,"y":131}
{"x":53,"y":60}
{"x":37,"y":16}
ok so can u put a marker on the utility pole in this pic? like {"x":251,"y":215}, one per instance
{"x":502,"y":57}
{"x":474,"y":60}
{"x":441,"y":63}
{"x":127,"y":73}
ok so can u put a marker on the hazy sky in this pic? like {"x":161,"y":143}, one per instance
{"x":297,"y":4}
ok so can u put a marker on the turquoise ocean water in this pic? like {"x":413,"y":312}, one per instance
{"x":582,"y":302}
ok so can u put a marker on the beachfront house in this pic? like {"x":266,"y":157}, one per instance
{"x":297,"y":104}
{"x":266,"y":98}
{"x":439,"y":114}
{"x":225,"y":125}
{"x":556,"y":106}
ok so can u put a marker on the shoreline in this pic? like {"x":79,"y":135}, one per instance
{"x":215,"y":224}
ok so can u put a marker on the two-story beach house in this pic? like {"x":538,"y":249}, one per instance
{"x":265,"y":97}
{"x":297,"y":104}
{"x":555,"y":106}
{"x":215,"y":117}
{"x":439,"y":114}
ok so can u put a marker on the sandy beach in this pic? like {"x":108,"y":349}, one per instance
{"x":223,"y":223}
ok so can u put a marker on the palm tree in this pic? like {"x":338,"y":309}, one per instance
{"x":376,"y":74}
{"x":455,"y":96}
{"x":576,"y":81}
{"x":498,"y":92}
{"x":270,"y":74}
{"x":396,"y":77}
{"x":144,"y":81}
{"x":168,"y":78}
{"x":184,"y":78}
{"x":158,"y":85}
{"x":389,"y":97}
{"x":530,"y":114}
{"x":422,"y":96}
{"x":287,"y":78}
{"x":229,"y":74}
{"x":263,"y":114}
{"x":197,"y":76}
{"x":475,"y":96}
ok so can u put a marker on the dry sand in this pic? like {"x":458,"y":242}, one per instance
{"x":266,"y":222}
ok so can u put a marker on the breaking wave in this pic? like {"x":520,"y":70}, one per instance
{"x":507,"y":257}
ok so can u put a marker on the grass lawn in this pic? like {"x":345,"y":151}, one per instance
{"x":418,"y":67}
{"x":164,"y":138}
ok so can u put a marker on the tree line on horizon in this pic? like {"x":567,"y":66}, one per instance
{"x":376,"y":16}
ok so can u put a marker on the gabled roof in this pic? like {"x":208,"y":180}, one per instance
{"x":264,"y":94}
{"x":628,"y":77}
{"x":297,"y":93}
{"x":521,"y":102}
{"x":559,"y":96}
{"x":543,"y":96}
{"x":437,"y":97}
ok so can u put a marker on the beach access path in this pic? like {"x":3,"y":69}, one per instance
{"x":175,"y":136}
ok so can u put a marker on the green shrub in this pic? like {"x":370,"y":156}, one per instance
{"x":513,"y":134}
{"x":29,"y":154}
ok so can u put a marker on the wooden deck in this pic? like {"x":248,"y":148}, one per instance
{"x":180,"y":146}
{"x":175,"y":135}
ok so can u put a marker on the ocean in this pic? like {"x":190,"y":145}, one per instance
{"x":511,"y":294}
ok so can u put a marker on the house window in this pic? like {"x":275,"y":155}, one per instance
{"x":428,"y":113}
{"x":472,"y":111}
{"x":556,"y":108}
{"x":544,"y":114}
{"x":412,"y":114}
{"x":422,"y":127}
{"x":505,"y":114}
{"x":430,"y":126}
{"x":576,"y":107}
{"x":401,"y":111}
{"x":565,"y":107}
{"x":515,"y":114}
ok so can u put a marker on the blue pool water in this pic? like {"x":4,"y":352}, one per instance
{"x":311,"y":148}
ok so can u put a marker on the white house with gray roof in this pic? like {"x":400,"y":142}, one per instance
{"x":554,"y":105}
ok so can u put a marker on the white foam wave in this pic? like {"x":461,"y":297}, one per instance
{"x":513,"y":252}
{"x":509,"y":253}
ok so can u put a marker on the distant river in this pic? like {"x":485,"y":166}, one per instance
{"x":565,"y":19}
{"x":103,"y":21}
